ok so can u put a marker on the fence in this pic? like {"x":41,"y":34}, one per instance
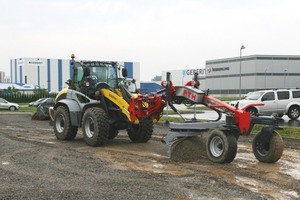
{"x":23,"y":98}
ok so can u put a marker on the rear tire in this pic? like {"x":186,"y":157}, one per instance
{"x":95,"y":126}
{"x":141,"y":132}
{"x":221,"y":147}
{"x":294,"y":112}
{"x":63,"y":128}
{"x":269,"y":153}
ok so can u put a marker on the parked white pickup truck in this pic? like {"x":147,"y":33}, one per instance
{"x":277,"y":101}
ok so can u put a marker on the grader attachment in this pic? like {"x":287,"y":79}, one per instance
{"x":218,"y":137}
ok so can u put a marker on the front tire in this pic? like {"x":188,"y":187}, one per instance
{"x":252,"y":111}
{"x":221,"y":147}
{"x":141,"y":132}
{"x":95,"y":126}
{"x":271,"y":151}
{"x":12,"y":108}
{"x":63,"y":128}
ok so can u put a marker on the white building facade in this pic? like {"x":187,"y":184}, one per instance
{"x":222,"y":76}
{"x":51,"y":74}
{"x":256,"y":72}
{"x":181,"y":77}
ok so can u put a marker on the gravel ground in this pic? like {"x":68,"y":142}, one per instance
{"x":35,"y":165}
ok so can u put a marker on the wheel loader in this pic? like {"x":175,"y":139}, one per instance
{"x":98,"y":101}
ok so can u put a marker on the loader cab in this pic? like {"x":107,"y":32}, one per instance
{"x":90,"y":76}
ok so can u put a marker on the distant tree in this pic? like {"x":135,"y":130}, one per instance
{"x":40,"y":91}
{"x":12,"y":90}
{"x":157,"y":78}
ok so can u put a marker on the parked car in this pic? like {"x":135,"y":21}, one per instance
{"x":279,"y":101}
{"x":48,"y":102}
{"x":6,"y":105}
{"x":37,"y":102}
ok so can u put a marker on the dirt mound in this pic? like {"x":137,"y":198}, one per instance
{"x":189,"y":149}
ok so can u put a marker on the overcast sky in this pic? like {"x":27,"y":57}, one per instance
{"x":160,"y":34}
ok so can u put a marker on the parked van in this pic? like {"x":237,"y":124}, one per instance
{"x":279,"y":101}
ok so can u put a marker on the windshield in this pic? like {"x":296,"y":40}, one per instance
{"x":89,"y":75}
{"x":103,"y":73}
{"x":254,"y":95}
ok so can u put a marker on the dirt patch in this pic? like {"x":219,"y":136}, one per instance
{"x":35,"y":165}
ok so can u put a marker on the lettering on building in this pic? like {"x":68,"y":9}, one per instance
{"x":217,"y":69}
{"x":30,"y":62}
{"x":190,"y":72}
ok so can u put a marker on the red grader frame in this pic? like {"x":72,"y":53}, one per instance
{"x":221,"y":144}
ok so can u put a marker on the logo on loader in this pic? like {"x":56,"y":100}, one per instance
{"x":189,"y":94}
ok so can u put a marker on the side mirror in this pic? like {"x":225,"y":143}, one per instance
{"x":124,"y":72}
{"x":69,"y":82}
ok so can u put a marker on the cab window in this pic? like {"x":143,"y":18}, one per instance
{"x":78,"y":75}
{"x":269,"y":96}
{"x":296,"y":94}
{"x":283,"y":95}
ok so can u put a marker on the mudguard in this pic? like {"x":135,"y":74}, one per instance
{"x":74,"y":109}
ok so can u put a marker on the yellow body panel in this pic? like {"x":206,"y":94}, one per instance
{"x":63,"y":91}
{"x":119,"y":101}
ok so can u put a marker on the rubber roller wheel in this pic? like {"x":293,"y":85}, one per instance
{"x":221,"y":146}
{"x":269,"y":152}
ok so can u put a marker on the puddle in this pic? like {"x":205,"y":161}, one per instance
{"x":260,"y":187}
{"x":290,"y":193}
{"x":249,"y":158}
{"x":291,"y":169}
{"x":248,"y":182}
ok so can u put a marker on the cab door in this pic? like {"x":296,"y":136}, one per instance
{"x":270,"y":103}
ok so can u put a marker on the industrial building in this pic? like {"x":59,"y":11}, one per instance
{"x":51,"y":74}
{"x":230,"y":76}
{"x":3,"y":78}
{"x":250,"y":73}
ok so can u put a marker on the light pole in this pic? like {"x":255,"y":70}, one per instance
{"x":266,"y":78}
{"x":285,"y":73}
{"x":240,"y":91}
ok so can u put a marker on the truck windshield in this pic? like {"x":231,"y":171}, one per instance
{"x":254,"y":95}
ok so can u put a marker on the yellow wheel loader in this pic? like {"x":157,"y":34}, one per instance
{"x":98,"y":101}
